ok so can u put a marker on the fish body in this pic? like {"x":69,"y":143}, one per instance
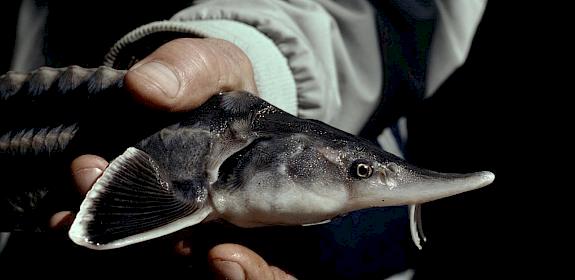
{"x":241,"y":159}
{"x":44,"y":116}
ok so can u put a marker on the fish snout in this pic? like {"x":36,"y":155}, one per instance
{"x":412,"y":185}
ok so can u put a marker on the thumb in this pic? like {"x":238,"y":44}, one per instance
{"x":183,"y":73}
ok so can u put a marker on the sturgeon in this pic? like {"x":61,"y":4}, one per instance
{"x":236,"y":158}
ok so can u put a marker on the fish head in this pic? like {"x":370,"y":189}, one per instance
{"x":377,"y":178}
{"x":330,"y":161}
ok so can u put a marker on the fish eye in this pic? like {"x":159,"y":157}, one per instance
{"x":361,"y":169}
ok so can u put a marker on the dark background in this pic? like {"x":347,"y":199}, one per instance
{"x":464,"y":127}
{"x":494,"y":114}
{"x":474,"y":122}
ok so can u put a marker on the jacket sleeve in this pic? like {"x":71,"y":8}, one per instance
{"x":314,"y":59}
{"x":457,"y":23}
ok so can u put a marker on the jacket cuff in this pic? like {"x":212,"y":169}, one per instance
{"x":274,"y":79}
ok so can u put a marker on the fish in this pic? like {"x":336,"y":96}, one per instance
{"x":236,"y":158}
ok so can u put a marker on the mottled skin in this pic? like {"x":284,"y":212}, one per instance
{"x":241,"y":159}
{"x":236,"y":158}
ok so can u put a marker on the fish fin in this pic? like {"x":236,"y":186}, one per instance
{"x":132,"y":202}
{"x":318,"y":223}
{"x":415,"y":225}
{"x":239,"y":102}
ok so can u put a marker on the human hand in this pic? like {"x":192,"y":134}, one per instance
{"x":180,"y":76}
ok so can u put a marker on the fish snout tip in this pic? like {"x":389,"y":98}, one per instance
{"x":485,"y":178}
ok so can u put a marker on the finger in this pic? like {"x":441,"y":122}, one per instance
{"x":183,"y":73}
{"x":61,"y":220}
{"x":232,"y":261}
{"x":280,"y":274}
{"x":183,"y":248}
{"x":86,"y":170}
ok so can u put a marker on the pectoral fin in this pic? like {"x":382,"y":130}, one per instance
{"x":133,"y":201}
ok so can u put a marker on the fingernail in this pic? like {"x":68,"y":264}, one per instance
{"x":160,"y":76}
{"x":228,"y":270}
{"x":85,"y":178}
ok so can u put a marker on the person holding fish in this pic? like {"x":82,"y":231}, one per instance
{"x":354,"y":65}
